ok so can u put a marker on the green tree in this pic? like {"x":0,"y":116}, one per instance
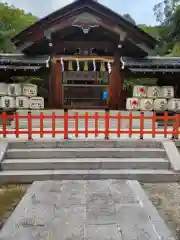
{"x":12,"y":21}
{"x":168,"y":14}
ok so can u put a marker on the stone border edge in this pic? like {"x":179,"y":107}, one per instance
{"x":158,"y":222}
{"x":3,"y":148}
{"x":172,"y":154}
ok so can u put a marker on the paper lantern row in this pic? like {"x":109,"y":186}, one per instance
{"x":21,"y":102}
{"x":29,"y":90}
{"x":153,"y":92}
{"x":149,"y":104}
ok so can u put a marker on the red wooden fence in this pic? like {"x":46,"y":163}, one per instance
{"x":174,"y":132}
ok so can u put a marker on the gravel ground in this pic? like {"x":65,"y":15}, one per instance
{"x":166,"y":198}
{"x":10,"y":195}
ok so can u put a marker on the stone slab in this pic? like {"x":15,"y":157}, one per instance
{"x":85,"y":210}
{"x":172,"y":154}
{"x":3,"y":148}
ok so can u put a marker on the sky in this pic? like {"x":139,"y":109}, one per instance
{"x":140,"y":10}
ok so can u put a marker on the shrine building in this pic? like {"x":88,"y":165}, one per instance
{"x":82,"y":50}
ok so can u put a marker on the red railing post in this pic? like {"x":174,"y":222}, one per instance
{"x":53,"y":125}
{"x":96,"y":124}
{"x":4,"y":124}
{"x":142,"y":125}
{"x":41,"y":125}
{"x":176,"y":127}
{"x":130,"y":124}
{"x":76,"y":125}
{"x":106,"y":123}
{"x":154,"y":124}
{"x":119,"y":125}
{"x":66,"y":123}
{"x":29,"y":126}
{"x":166,"y":118}
{"x":86,"y":124}
{"x":17,"y":124}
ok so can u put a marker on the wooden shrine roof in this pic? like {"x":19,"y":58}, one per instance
{"x":70,"y":10}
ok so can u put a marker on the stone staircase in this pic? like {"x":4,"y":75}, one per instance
{"x":29,"y":161}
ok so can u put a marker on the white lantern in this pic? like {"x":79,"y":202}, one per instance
{"x":146,"y":104}
{"x":174,"y":105}
{"x":132,"y":104}
{"x":29,"y":90}
{"x":160,"y":104}
{"x":167,"y":92}
{"x":140,"y":91}
{"x":36,"y":103}
{"x":3,"y":89}
{"x":7,"y":102}
{"x":22,"y":102}
{"x":154,"y":92}
{"x":14,"y":89}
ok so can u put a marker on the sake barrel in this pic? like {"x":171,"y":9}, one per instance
{"x":3,"y":89}
{"x":167,"y":92}
{"x":36,"y":103}
{"x":29,"y":90}
{"x":174,"y":105}
{"x":154,"y":92}
{"x":132,"y":104}
{"x":140,"y":91}
{"x":14,"y":89}
{"x":7,"y":102}
{"x":22,"y":102}
{"x":160,"y":104}
{"x":146,"y":104}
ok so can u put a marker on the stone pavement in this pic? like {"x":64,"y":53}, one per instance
{"x":85,"y":210}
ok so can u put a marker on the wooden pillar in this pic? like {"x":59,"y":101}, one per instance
{"x":116,"y":80}
{"x":55,"y":86}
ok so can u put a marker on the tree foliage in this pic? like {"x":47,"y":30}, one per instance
{"x":167,"y":13}
{"x":12,"y":21}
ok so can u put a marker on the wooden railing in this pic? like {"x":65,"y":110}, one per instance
{"x":165,"y":132}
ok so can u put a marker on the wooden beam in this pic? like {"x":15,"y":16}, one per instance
{"x":83,"y":45}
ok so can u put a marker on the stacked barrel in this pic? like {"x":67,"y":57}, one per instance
{"x":153,"y":98}
{"x":20,"y":96}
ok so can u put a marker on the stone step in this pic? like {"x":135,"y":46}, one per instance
{"x":85,"y":144}
{"x":85,"y":153}
{"x":129,"y":174}
{"x":84,"y":164}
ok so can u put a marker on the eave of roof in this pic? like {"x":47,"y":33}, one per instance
{"x":147,"y":62}
{"x":155,"y":70}
{"x":86,"y":3}
{"x":15,"y":59}
{"x":16,"y":68}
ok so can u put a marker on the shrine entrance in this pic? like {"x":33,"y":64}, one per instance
{"x":84,"y":89}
